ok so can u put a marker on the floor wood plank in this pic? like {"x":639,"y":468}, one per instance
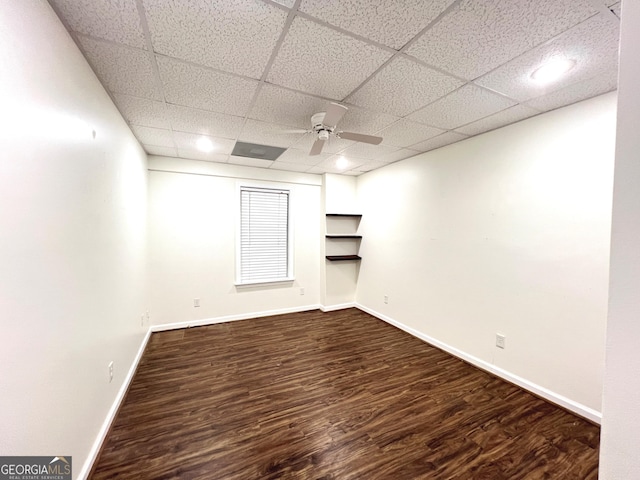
{"x":326,"y":396}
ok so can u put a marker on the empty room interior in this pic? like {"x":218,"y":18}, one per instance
{"x":320,"y":238}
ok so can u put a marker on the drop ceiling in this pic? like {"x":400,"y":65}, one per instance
{"x":420,"y":74}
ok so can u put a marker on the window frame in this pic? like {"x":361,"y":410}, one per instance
{"x":276,"y":187}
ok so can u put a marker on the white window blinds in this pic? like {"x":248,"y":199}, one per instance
{"x":264,"y":235}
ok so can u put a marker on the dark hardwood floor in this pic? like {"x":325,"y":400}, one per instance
{"x":338,"y":395}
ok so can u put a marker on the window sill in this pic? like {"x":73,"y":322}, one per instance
{"x":253,"y":283}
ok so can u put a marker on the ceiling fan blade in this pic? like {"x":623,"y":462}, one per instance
{"x":359,"y":137}
{"x":334,"y":114}
{"x":317,"y":147}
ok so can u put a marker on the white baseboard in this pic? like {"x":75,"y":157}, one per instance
{"x":339,"y":306}
{"x":111,"y":415}
{"x":571,"y":405}
{"x":231,"y":318}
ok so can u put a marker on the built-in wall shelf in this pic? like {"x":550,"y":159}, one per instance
{"x":357,"y":215}
{"x":343,"y":236}
{"x":341,"y":258}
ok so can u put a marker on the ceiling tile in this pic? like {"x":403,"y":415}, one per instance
{"x":439,"y":141}
{"x":367,"y":151}
{"x":162,"y":151}
{"x":250,"y":162}
{"x":290,"y":167}
{"x":298,"y":156}
{"x":205,"y":156}
{"x":272,"y":134}
{"x":402,"y":87}
{"x":598,"y":85}
{"x":285,"y":107}
{"x":362,"y":120}
{"x":371,"y":165}
{"x":593,"y":44}
{"x":121,"y":69}
{"x":234,"y":35}
{"x":616,"y":9}
{"x":330,"y":164}
{"x":463,"y":106}
{"x":286,"y":3}
{"x":204,"y":122}
{"x":334,"y":145}
{"x":479,"y":35}
{"x":142,"y":111}
{"x":389,"y":22}
{"x":153,"y":136}
{"x":397,"y":155}
{"x":115,"y":20}
{"x":189,"y":141}
{"x":316,"y":59}
{"x":497,"y":120}
{"x":199,"y":87}
{"x":405,"y":132}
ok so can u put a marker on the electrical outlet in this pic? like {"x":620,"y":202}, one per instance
{"x":500,"y":340}
{"x":302,"y":291}
{"x":386,"y":299}
{"x":110,"y":371}
{"x":196,"y":302}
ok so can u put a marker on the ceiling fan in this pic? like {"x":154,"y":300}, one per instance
{"x":324,"y":125}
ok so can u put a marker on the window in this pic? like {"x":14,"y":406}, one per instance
{"x":264,"y":250}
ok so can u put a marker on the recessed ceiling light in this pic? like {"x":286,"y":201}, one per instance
{"x":342,"y":163}
{"x":553,"y":70}
{"x":204,"y":144}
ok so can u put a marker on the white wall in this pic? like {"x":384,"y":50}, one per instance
{"x":192,"y":230}
{"x":72,"y":240}
{"x":504,"y":232}
{"x":620,"y":439}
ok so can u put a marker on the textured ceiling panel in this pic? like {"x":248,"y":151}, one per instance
{"x":206,"y":156}
{"x":115,"y":20}
{"x":405,"y":132}
{"x":237,"y":36}
{"x":302,"y":157}
{"x":592,"y":44}
{"x":272,"y":134}
{"x":285,"y":107}
{"x":439,"y":141}
{"x":598,"y":85}
{"x":479,"y":35}
{"x":248,"y":69}
{"x":122,"y":69}
{"x":389,"y":22}
{"x":321,"y":61}
{"x":199,"y":87}
{"x":142,"y":111}
{"x":361,"y":120}
{"x":185,"y":119}
{"x":153,"y":136}
{"x":463,"y":106}
{"x":402,"y":87}
{"x":367,"y":151}
{"x":291,"y":167}
{"x":189,"y":141}
{"x":397,"y":155}
{"x":250,"y":162}
{"x":162,"y":151}
{"x":505,"y":117}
